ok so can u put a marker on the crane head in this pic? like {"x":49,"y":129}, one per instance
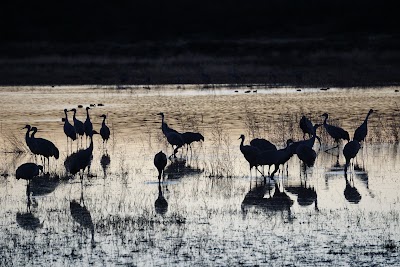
{"x":103,"y":116}
{"x":87,"y":108}
{"x":370,"y":111}
{"x":27,"y":127}
{"x":161,"y":114}
{"x":241,"y":137}
{"x":65,"y":110}
{"x":74,"y":110}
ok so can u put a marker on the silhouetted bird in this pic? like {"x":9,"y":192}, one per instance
{"x":350,"y":151}
{"x":69,"y":130}
{"x":306,"y":154}
{"x":174,"y":138}
{"x":28,"y":171}
{"x":335,"y":132}
{"x":275,"y":157}
{"x":309,"y":142}
{"x":87,"y":125}
{"x":44,"y":147}
{"x":104,"y":131}
{"x":78,"y":125}
{"x":160,"y":161}
{"x":190,"y":137}
{"x":362,"y":130}
{"x":161,"y":204}
{"x":262,"y":144}
{"x":249,"y":152}
{"x":306,"y":126}
{"x":81,"y":159}
{"x":28,"y":140}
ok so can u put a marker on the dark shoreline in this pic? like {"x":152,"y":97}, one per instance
{"x":362,"y":61}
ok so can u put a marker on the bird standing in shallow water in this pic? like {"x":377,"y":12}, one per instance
{"x":250,"y":153}
{"x":350,"y":151}
{"x":44,"y":147}
{"x":78,"y":125}
{"x":69,"y":130}
{"x":104,"y":131}
{"x":190,"y":137}
{"x":361,"y":132}
{"x":87,"y":125}
{"x":335,"y":132}
{"x":306,"y":126}
{"x":160,"y":161}
{"x":174,"y":138}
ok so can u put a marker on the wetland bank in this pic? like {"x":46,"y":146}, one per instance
{"x":216,"y":214}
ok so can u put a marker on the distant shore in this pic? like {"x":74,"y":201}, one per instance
{"x":288,"y":62}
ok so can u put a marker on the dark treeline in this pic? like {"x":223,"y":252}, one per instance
{"x":88,"y":20}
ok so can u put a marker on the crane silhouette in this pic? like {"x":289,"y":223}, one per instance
{"x":81,"y":159}
{"x":362,"y":130}
{"x":87,"y":125}
{"x":309,"y":142}
{"x":28,"y":140}
{"x":190,"y":137}
{"x":104,"y":130}
{"x":28,"y":171}
{"x":78,"y":125}
{"x":306,"y":126}
{"x":350,"y":151}
{"x":335,"y":132}
{"x":160,"y":161}
{"x":306,"y":154}
{"x":44,"y":147}
{"x":174,"y":138}
{"x":275,"y":157}
{"x":69,"y":130}
{"x":250,"y":153}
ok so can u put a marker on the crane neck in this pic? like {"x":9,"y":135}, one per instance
{"x":87,"y":114}
{"x":74,"y":116}
{"x":326,"y":118}
{"x":366,"y":118}
{"x":104,"y":121}
{"x":27,"y":138}
{"x":33,"y":133}
{"x":66,"y":115}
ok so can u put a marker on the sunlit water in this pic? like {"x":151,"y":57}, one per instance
{"x":216,"y":213}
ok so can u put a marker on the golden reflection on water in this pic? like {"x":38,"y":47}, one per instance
{"x":208,"y":220}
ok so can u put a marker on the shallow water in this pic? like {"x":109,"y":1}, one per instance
{"x":217,"y":214}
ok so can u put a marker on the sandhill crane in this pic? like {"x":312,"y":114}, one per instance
{"x":28,"y":171}
{"x":104,"y":130}
{"x":44,"y":147}
{"x":335,"y":132}
{"x":362,"y":130}
{"x":174,"y":138}
{"x":262,"y":144}
{"x":164,"y":126}
{"x":306,"y":154}
{"x":250,"y":153}
{"x":350,"y":151}
{"x":69,"y":130}
{"x":275,"y":157}
{"x":78,"y":125}
{"x":28,"y":140}
{"x":87,"y":125}
{"x":81,"y":159}
{"x":309,"y":142}
{"x":190,"y":137}
{"x":160,"y":161}
{"x":306,"y":126}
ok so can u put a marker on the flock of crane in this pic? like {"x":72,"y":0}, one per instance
{"x":259,"y":152}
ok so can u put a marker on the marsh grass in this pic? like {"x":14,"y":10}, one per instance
{"x":13,"y":143}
